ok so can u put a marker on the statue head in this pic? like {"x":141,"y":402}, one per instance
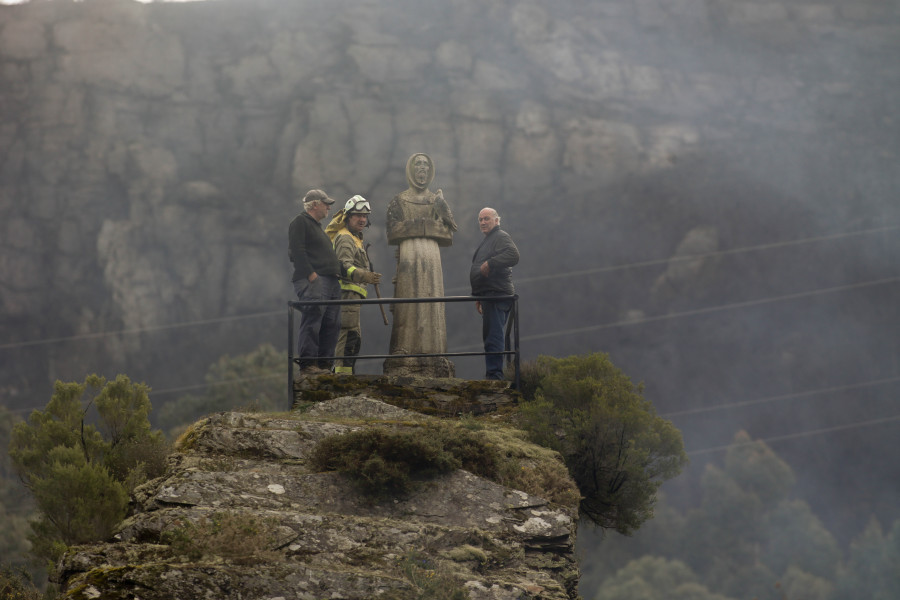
{"x":419,"y":171}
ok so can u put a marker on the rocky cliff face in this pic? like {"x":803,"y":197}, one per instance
{"x":150,"y":154}
{"x":240,"y":514}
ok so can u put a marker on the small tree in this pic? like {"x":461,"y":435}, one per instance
{"x":16,"y":584}
{"x":873,"y":568}
{"x":616,"y":448}
{"x":80,"y":474}
{"x":655,"y":578}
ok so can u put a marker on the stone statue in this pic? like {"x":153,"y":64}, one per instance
{"x":419,"y":222}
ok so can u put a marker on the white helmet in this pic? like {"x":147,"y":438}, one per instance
{"x":357,"y":205}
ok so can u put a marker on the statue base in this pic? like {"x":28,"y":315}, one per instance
{"x":446,"y":397}
{"x":426,"y":366}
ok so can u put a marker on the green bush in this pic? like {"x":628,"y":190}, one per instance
{"x":386,"y":462}
{"x":17,"y":585}
{"x":615,"y":447}
{"x":531,"y":375}
{"x":80,"y":474}
{"x":80,"y":498}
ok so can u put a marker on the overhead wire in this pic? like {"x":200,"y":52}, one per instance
{"x":534,"y":337}
{"x":799,"y":434}
{"x":188,"y":388}
{"x":578,"y":273}
{"x":770,"y":439}
{"x":701,"y":255}
{"x":648,"y":319}
{"x":185,"y":388}
{"x":791,"y":396}
{"x":711,"y":309}
{"x":667,"y":415}
{"x":101,"y":334}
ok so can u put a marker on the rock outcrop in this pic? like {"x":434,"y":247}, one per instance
{"x":241,"y":514}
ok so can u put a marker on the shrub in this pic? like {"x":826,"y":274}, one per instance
{"x":544,"y":479}
{"x":615,"y":447}
{"x":80,"y":474}
{"x":17,"y":585}
{"x":531,"y":374}
{"x":385,"y":462}
{"x":81,"y":499}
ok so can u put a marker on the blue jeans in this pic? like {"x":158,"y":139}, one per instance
{"x":319,"y":325}
{"x":494,"y":314}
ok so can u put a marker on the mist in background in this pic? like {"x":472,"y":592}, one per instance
{"x":707,"y":191}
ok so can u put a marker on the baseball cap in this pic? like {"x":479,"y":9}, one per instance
{"x":318,"y":195}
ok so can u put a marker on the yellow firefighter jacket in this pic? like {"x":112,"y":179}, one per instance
{"x":350,"y":253}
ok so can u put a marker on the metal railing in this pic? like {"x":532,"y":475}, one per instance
{"x":512,"y":328}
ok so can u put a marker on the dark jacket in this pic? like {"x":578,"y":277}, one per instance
{"x":501,"y":254}
{"x":310,"y":249}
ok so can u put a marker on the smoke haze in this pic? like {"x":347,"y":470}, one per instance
{"x":150,"y":158}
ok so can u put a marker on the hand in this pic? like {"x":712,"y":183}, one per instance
{"x":312,"y":277}
{"x":478,"y":307}
{"x":370,"y":277}
{"x":485,"y":269}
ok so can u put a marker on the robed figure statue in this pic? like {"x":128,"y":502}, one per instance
{"x":419,"y":222}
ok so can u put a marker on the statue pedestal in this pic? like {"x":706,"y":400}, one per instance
{"x":445,"y":396}
{"x":430,"y":366}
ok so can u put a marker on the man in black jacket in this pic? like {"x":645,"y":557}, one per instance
{"x":316,"y":271}
{"x":491,"y":275}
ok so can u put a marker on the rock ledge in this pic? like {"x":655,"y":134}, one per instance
{"x":306,"y":535}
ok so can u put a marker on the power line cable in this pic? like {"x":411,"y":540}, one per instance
{"x":198,"y":386}
{"x":96,"y":335}
{"x":794,"y":395}
{"x":687,"y":257}
{"x":777,"y":438}
{"x":807,"y":393}
{"x":799,"y":434}
{"x":712,"y":309}
{"x":525,"y":338}
{"x":542,"y":335}
{"x":185,"y":388}
{"x":101,"y":334}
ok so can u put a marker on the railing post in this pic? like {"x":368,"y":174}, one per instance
{"x":516,"y":342}
{"x":290,"y":356}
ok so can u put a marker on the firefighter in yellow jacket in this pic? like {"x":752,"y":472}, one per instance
{"x":346,"y":231}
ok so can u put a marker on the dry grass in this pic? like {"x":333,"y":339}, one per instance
{"x":238,"y":537}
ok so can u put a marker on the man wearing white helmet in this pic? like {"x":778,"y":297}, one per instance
{"x":346,"y":230}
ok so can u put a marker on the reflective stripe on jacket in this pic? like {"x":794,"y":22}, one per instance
{"x":352,"y":256}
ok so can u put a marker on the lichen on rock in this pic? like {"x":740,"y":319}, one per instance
{"x":241,"y":513}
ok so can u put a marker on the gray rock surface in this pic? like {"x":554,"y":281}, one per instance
{"x":309,"y":535}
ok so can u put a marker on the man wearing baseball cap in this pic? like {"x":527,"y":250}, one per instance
{"x":316,"y":272}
